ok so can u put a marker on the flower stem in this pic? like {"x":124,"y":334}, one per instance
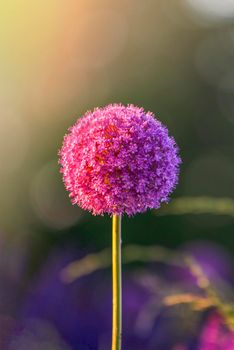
{"x":116,"y":283}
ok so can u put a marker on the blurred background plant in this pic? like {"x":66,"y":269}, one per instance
{"x":59,"y":59}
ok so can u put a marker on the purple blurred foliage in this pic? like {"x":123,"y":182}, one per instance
{"x":214,"y":261}
{"x":36,"y":334}
{"x":8,"y":326}
{"x":54,"y":315}
{"x":81,"y":311}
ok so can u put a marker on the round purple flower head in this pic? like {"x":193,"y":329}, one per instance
{"x":119,"y":159}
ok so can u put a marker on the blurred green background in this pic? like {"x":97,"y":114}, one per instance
{"x":61,"y":58}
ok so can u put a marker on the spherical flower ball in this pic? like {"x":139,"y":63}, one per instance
{"x":119,"y":159}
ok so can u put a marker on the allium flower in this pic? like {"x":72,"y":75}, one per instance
{"x":119,"y":159}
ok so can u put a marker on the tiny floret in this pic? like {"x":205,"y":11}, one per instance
{"x":119,"y":160}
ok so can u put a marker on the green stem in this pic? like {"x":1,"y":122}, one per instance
{"x":116,"y":283}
